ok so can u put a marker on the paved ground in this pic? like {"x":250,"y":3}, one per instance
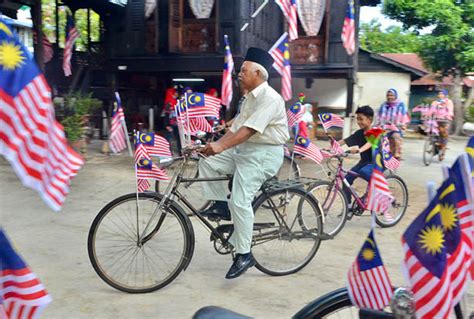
{"x":54,"y":244}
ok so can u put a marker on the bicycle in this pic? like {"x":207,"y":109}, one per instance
{"x":288,"y":170}
{"x":335,"y":204}
{"x":139,"y":243}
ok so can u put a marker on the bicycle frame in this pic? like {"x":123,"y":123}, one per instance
{"x":173,"y":191}
{"x":340,"y":178}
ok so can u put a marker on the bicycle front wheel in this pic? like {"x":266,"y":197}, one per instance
{"x":281,"y":246}
{"x":288,"y":170}
{"x":428,"y":151}
{"x":334,"y":204}
{"x":399,"y":206}
{"x":132,"y":265}
{"x":192,"y":191}
{"x":335,"y":304}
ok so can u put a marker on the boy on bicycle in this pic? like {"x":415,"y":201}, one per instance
{"x":364,"y":117}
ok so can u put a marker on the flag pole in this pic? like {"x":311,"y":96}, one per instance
{"x":179,"y":124}
{"x":136,"y":186}
{"x":124,"y":126}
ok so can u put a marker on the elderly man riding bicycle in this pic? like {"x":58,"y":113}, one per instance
{"x":251,"y":151}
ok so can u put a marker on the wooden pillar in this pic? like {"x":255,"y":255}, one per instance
{"x":56,"y":13}
{"x":38,"y":29}
{"x":88,"y":30}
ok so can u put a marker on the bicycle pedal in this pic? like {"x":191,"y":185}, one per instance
{"x":222,"y":230}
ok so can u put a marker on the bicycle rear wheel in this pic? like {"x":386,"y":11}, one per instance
{"x":280,"y":245}
{"x":140,"y":267}
{"x":399,"y":206}
{"x":334,"y":204}
{"x":428,"y":151}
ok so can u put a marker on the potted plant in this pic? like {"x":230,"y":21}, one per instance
{"x":74,"y":111}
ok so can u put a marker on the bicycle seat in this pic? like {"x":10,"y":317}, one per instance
{"x":213,"y":312}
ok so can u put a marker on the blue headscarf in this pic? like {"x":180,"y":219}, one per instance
{"x":394,"y":92}
{"x":444,"y":91}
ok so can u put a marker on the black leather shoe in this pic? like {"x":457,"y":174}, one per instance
{"x":218,"y":210}
{"x":240,"y":265}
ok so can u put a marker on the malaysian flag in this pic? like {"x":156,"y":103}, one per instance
{"x":426,"y":263}
{"x":462,"y":175}
{"x":289,"y":9}
{"x":304,"y":147}
{"x":199,"y":105}
{"x":199,"y":124}
{"x":142,"y":185}
{"x":141,"y":152}
{"x":348,"y":29}
{"x":389,"y":161}
{"x":155,"y":145}
{"x":329,"y":120}
{"x":48,"y":52}
{"x":470,"y":146}
{"x":453,"y":204}
{"x":226,"y":91}
{"x":368,"y":282}
{"x":117,"y":139}
{"x":71,"y":36}
{"x":379,"y":197}
{"x":22,"y":295}
{"x":30,"y":138}
{"x":147,"y":170}
{"x":294,"y":114}
{"x":281,"y":55}
{"x":336,"y":147}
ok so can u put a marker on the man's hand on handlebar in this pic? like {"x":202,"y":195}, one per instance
{"x":211,"y":149}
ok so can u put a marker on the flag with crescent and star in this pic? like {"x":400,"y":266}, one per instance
{"x":31,"y":139}
{"x":294,"y":114}
{"x":368,"y":283}
{"x":433,"y":250}
{"x":155,"y":145}
{"x":199,"y":105}
{"x":304,"y":147}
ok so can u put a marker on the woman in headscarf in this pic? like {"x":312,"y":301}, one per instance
{"x":393,"y":117}
{"x":443,"y":111}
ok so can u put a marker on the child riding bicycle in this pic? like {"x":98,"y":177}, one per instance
{"x":364,"y":117}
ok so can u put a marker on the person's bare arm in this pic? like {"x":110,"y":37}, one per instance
{"x":342,"y":142}
{"x":229,"y":140}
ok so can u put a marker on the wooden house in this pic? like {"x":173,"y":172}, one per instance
{"x":147,"y":46}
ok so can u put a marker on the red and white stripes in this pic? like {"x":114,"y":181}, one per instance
{"x":369,"y":288}
{"x":433,"y":297}
{"x":35,"y":144}
{"x":23,"y":294}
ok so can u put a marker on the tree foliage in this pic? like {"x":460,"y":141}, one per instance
{"x":391,"y":40}
{"x":80,"y":19}
{"x":450,"y":44}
